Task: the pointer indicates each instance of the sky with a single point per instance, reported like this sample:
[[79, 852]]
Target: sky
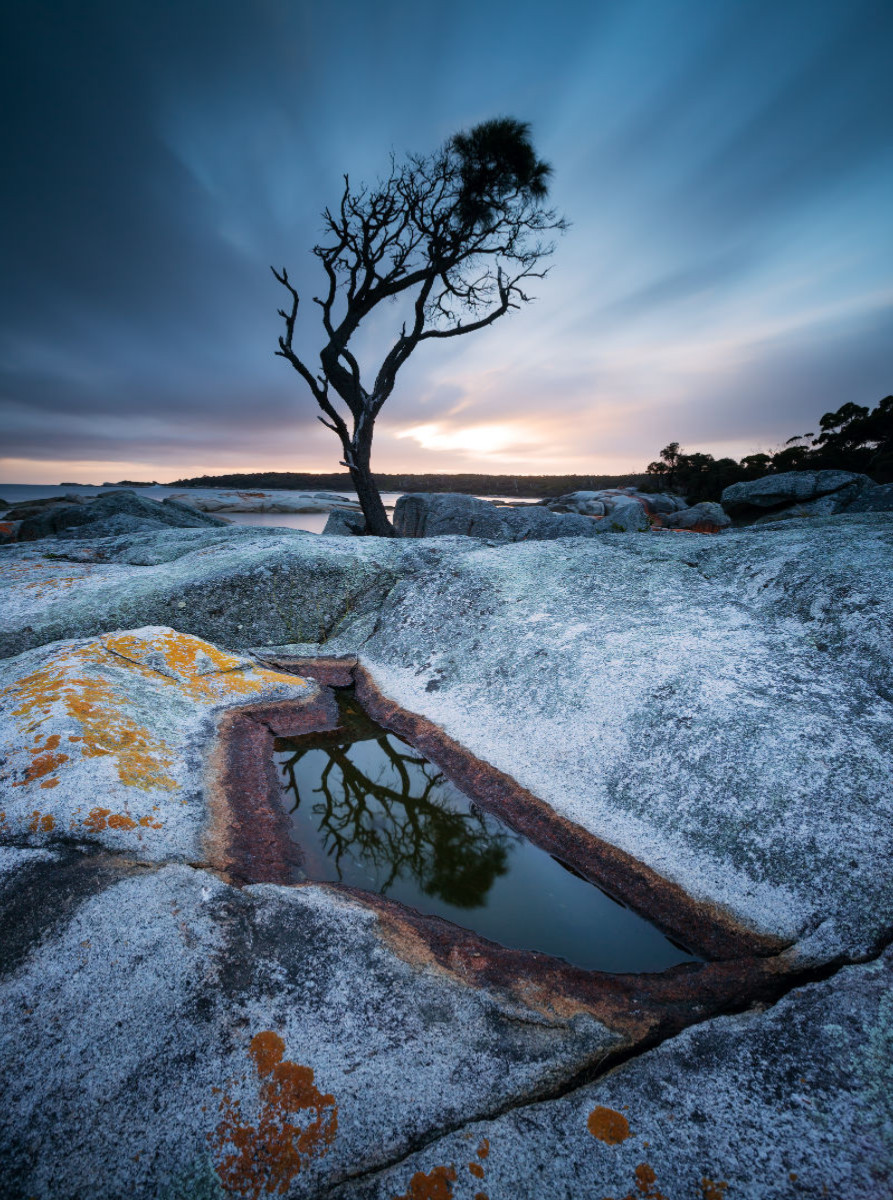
[[726, 167]]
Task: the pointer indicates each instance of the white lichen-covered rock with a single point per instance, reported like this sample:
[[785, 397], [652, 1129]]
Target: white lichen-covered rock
[[219, 500], [163, 1034], [775, 1105], [237, 585], [718, 708], [105, 740]]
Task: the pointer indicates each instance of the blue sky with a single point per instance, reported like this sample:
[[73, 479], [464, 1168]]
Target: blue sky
[[727, 169]]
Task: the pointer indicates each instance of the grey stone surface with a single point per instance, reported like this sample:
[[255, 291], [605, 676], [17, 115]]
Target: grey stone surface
[[138, 1008], [343, 522], [876, 499], [791, 487], [110, 513], [429, 515], [793, 1102], [704, 514], [236, 586], [720, 708], [106, 740]]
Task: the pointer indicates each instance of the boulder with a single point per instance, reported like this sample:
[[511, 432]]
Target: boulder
[[705, 517], [426, 515], [606, 500], [235, 585], [344, 522], [792, 487], [876, 499], [109, 513]]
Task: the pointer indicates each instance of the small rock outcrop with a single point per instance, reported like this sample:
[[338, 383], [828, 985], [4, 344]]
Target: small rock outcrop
[[345, 522], [217, 500], [596, 504], [706, 517], [423, 515], [109, 514], [795, 487]]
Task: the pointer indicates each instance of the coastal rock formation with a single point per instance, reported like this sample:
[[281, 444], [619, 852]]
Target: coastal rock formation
[[795, 487], [598, 503], [218, 500], [717, 710], [705, 517], [105, 515], [429, 515]]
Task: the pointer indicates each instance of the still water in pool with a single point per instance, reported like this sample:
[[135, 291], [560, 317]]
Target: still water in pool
[[369, 810]]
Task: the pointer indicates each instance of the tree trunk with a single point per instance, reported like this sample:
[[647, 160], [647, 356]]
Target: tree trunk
[[367, 492]]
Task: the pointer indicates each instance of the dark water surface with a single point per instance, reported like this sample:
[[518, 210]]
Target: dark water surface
[[369, 810]]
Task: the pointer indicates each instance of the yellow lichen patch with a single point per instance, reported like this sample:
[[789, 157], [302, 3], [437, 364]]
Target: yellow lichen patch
[[45, 758], [199, 668], [74, 681], [608, 1125], [433, 1186], [266, 1156]]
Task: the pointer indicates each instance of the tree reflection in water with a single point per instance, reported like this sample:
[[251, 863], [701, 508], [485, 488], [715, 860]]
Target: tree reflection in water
[[392, 809]]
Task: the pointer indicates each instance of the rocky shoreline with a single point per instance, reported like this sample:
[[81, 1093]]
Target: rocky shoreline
[[714, 711]]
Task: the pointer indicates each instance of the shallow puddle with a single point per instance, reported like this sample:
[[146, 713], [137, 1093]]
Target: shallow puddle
[[369, 810]]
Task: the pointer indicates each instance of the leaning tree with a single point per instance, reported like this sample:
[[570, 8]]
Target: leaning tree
[[455, 236]]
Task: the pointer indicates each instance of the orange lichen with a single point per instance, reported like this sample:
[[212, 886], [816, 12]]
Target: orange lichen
[[645, 1185], [266, 1157], [476, 1169], [608, 1125], [42, 823], [483, 1149], [433, 1186], [713, 1189]]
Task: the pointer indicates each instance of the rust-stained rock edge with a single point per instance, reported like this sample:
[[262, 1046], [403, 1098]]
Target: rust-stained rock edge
[[250, 843]]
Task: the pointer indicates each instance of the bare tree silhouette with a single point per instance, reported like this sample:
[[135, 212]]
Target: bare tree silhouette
[[395, 821]]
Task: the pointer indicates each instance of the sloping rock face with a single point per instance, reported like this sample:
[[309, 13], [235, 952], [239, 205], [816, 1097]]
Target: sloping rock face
[[100, 739], [237, 586], [768, 1104], [165, 1034]]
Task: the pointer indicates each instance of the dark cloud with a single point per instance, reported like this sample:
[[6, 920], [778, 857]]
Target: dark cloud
[[158, 156]]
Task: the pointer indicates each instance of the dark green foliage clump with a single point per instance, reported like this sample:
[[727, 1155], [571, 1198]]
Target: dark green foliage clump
[[851, 439]]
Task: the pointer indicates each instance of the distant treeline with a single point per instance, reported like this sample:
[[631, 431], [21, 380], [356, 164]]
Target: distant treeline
[[526, 486], [853, 438]]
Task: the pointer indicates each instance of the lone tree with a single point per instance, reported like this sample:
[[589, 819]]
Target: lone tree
[[455, 236]]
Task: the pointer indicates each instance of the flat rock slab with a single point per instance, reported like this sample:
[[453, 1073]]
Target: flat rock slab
[[164, 1034], [106, 740], [792, 1102]]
